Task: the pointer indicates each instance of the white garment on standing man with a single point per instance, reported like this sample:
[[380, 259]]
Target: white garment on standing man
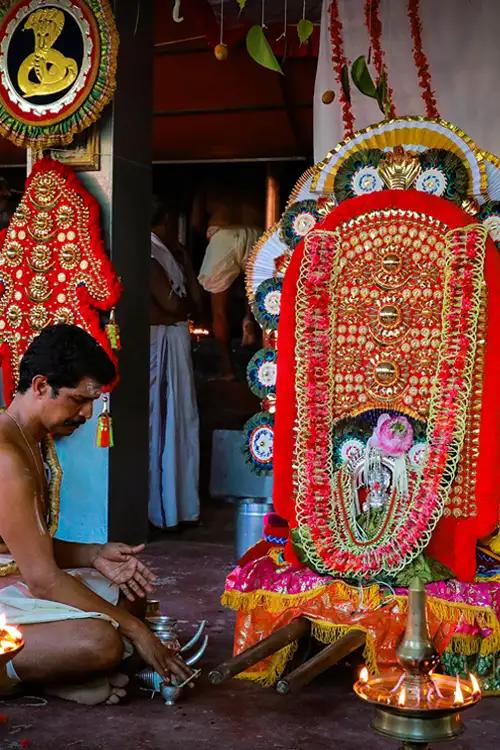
[[173, 413]]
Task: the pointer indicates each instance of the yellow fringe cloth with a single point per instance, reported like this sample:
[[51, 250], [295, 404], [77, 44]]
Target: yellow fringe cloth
[[328, 632], [273, 601], [279, 660]]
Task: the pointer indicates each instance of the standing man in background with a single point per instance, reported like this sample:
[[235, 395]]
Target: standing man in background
[[173, 411], [233, 229]]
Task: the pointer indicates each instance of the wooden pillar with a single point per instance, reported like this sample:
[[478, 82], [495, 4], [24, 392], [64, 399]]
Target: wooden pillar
[[272, 197], [130, 250]]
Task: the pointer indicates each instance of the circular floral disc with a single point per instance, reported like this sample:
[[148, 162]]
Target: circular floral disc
[[259, 442], [267, 302], [432, 181], [298, 220], [261, 373]]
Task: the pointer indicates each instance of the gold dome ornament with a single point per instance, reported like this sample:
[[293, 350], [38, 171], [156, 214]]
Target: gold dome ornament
[[221, 52], [328, 96]]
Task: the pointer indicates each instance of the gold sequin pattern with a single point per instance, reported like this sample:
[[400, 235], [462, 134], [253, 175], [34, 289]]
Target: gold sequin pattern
[[388, 322]]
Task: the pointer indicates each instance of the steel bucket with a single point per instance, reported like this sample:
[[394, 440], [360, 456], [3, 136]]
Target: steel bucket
[[250, 512]]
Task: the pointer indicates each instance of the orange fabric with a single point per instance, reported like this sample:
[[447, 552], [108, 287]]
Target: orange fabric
[[454, 541], [384, 627]]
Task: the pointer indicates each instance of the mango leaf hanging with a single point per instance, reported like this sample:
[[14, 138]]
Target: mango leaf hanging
[[304, 29], [241, 3], [362, 79], [260, 50]]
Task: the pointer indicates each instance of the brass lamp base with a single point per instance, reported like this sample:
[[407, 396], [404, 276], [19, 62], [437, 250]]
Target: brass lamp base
[[417, 729]]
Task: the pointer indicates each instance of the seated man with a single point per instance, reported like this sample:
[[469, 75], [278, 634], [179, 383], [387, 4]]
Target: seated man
[[76, 632]]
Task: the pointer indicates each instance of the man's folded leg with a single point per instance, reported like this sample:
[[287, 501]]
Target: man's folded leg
[[73, 659]]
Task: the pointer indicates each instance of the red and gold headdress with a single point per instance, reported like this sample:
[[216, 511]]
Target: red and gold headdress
[[53, 265]]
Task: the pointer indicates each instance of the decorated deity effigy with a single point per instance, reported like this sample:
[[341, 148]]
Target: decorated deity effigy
[[380, 418]]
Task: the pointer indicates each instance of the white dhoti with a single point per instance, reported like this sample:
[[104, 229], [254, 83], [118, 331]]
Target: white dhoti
[[173, 425], [20, 607], [226, 256]]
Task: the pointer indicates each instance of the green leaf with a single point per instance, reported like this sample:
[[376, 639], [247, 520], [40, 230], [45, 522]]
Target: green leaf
[[241, 3], [346, 85], [362, 78], [304, 29], [260, 50]]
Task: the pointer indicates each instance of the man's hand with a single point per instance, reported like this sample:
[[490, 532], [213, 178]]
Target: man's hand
[[164, 660], [119, 564]]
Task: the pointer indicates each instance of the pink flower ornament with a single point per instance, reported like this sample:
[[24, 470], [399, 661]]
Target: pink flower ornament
[[392, 435]]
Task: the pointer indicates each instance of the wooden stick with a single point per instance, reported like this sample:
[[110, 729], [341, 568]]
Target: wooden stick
[[321, 661], [277, 640]]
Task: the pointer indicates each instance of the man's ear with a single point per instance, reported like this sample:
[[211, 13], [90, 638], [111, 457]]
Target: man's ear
[[40, 386]]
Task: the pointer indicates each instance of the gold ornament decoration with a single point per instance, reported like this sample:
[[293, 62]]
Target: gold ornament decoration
[[39, 289], [40, 260], [41, 226], [221, 52], [38, 317], [64, 315], [328, 96], [65, 217], [46, 71], [399, 170], [14, 315], [69, 256], [13, 253]]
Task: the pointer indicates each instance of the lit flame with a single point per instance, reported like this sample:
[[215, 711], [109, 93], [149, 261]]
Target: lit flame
[[402, 696], [10, 637], [458, 697], [476, 690], [199, 332], [363, 675]]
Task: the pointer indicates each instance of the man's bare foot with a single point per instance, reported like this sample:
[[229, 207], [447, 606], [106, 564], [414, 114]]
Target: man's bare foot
[[107, 690], [119, 680]]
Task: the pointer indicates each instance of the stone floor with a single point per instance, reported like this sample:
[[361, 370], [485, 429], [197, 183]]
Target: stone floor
[[234, 716]]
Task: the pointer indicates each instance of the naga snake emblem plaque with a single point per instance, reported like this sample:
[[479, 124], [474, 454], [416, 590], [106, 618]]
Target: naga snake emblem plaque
[[58, 68]]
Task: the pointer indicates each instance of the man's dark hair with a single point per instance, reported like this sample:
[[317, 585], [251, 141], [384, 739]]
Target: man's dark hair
[[163, 206], [65, 354], [159, 210]]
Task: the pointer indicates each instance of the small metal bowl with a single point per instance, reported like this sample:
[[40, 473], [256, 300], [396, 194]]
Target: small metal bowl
[[152, 608]]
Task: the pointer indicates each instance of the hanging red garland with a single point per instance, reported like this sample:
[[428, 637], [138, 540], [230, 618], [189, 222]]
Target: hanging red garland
[[424, 76], [374, 26], [339, 65]]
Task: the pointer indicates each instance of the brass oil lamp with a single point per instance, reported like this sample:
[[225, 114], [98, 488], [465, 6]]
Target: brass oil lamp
[[414, 704]]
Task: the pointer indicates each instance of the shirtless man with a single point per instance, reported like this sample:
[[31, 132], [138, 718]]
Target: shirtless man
[[73, 648]]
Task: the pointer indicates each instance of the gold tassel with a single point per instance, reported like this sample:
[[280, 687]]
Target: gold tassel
[[113, 332]]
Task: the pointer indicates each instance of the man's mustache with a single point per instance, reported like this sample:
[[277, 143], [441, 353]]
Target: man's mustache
[[74, 422]]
